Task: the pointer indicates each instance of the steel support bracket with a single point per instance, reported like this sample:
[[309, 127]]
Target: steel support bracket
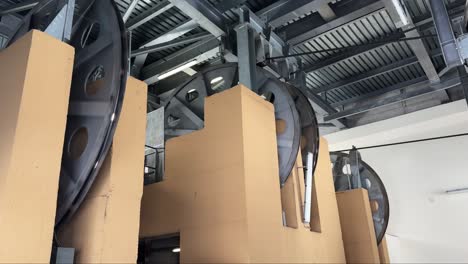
[[246, 55]]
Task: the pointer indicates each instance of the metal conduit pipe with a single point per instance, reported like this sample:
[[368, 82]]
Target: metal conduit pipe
[[445, 34]]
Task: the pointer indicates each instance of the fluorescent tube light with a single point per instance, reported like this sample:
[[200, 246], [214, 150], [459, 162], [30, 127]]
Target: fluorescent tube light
[[177, 70], [401, 12]]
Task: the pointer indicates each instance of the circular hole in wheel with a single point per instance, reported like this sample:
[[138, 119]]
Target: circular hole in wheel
[[374, 206], [280, 126], [346, 169], [95, 80], [90, 34], [191, 96], [78, 143], [268, 96], [217, 83], [172, 121], [368, 183]]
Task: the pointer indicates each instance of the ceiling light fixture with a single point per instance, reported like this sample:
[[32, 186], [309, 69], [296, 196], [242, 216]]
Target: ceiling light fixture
[[178, 69], [401, 10]]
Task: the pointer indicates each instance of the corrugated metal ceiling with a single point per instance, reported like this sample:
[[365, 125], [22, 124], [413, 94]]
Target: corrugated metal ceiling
[[363, 30]]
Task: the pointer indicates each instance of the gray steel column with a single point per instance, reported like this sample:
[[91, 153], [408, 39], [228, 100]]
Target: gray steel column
[[464, 80], [246, 55], [445, 33]]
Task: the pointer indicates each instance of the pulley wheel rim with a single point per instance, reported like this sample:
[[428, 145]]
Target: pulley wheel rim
[[96, 96], [372, 183], [184, 110], [310, 139]]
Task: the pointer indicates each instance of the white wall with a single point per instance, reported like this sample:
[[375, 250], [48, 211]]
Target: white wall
[[426, 225]]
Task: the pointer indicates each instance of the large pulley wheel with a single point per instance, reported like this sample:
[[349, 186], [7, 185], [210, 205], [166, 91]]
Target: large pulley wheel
[[184, 111], [309, 126], [343, 166], [98, 84]]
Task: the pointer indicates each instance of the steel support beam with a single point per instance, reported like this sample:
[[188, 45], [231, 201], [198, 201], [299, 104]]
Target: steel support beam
[[226, 5], [283, 11], [129, 10], [445, 33], [428, 87], [200, 50], [246, 55], [423, 56], [464, 80], [170, 44], [168, 36], [402, 20], [148, 15], [202, 12], [299, 32], [23, 6]]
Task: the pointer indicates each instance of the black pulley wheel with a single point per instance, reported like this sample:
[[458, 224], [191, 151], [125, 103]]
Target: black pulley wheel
[[98, 85], [310, 137], [184, 110], [343, 166]]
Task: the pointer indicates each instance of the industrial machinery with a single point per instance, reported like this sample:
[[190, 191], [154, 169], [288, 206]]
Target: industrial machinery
[[350, 172], [96, 31], [295, 118]]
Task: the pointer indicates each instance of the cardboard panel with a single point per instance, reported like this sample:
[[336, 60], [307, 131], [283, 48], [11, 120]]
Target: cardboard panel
[[35, 74], [105, 227], [357, 227], [222, 191], [383, 251]]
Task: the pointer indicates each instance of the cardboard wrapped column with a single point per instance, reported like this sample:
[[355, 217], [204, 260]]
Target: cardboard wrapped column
[[105, 227], [222, 194], [357, 226], [35, 78]]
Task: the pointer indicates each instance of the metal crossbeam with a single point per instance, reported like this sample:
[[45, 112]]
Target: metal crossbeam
[[405, 22], [168, 36], [202, 12], [283, 11], [427, 87], [170, 44], [25, 5], [129, 10], [151, 13], [200, 50], [226, 5], [301, 31]]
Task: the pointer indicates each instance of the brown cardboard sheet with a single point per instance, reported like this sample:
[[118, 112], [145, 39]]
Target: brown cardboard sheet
[[105, 227], [222, 193], [35, 77]]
